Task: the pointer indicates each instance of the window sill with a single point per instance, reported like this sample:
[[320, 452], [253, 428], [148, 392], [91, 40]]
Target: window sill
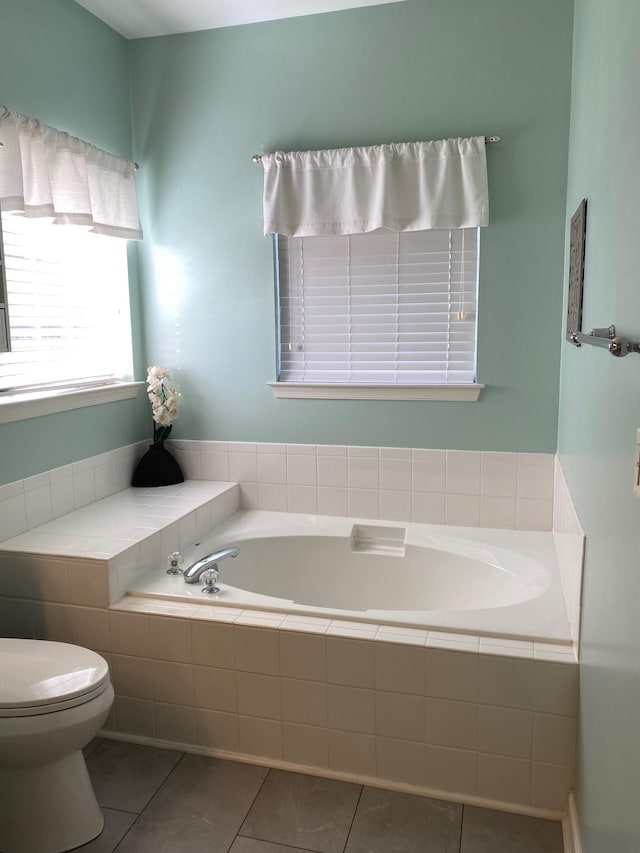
[[31, 404], [317, 391]]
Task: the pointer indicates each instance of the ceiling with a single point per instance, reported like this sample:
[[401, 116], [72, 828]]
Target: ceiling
[[143, 18]]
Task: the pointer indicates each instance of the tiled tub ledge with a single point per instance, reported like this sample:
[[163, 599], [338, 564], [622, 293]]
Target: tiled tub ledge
[[469, 718]]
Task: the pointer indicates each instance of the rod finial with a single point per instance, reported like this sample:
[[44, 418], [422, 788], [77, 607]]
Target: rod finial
[[257, 158]]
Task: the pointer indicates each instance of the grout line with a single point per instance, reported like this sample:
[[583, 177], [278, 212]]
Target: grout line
[[355, 812]]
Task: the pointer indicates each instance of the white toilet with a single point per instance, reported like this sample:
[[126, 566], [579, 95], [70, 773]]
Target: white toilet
[[54, 698]]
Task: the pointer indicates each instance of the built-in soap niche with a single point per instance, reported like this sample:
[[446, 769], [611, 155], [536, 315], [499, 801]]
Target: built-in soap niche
[[378, 539]]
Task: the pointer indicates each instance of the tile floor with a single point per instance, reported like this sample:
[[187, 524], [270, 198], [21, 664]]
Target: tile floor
[[162, 801]]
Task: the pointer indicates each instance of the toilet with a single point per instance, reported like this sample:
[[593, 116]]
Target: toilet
[[54, 698]]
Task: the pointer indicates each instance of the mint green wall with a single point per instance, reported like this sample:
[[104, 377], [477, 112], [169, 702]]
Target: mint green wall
[[599, 414], [203, 103], [62, 65]]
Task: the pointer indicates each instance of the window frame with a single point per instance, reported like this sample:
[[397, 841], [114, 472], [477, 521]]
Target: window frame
[[28, 401]]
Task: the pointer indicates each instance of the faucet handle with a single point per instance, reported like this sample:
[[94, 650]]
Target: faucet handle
[[211, 579], [174, 563]]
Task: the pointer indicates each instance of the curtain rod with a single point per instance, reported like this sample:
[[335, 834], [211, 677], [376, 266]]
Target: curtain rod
[[257, 158], [135, 165]]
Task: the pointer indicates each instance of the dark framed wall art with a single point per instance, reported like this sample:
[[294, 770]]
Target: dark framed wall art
[[576, 269]]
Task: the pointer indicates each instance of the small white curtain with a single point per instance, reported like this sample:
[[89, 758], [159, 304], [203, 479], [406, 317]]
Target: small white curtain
[[410, 186], [45, 172]]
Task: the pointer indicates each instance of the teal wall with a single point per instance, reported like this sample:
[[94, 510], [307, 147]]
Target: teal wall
[[63, 66], [203, 103], [599, 414]]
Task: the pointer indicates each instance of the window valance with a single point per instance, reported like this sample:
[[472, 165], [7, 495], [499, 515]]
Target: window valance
[[45, 172], [401, 186]]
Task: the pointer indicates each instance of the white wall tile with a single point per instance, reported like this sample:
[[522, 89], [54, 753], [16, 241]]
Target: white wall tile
[[173, 682], [169, 639], [498, 512], [399, 715], [463, 472], [87, 583], [428, 508], [213, 644], [400, 760], [453, 770], [363, 472], [243, 467], [217, 730], [304, 701], [452, 724], [452, 675], [350, 662], [272, 497], [506, 682], [499, 476], [534, 514], [129, 634], [332, 501], [463, 510], [535, 475], [556, 688], [400, 669], [215, 689], [395, 506], [351, 752], [135, 716], [306, 745], [215, 465], [260, 737], [395, 474], [90, 628], [132, 676], [301, 469], [13, 516], [256, 650], [504, 779], [351, 709], [303, 656], [52, 622], [332, 471], [550, 786], [554, 739], [302, 499], [38, 505], [505, 731], [363, 503], [272, 468], [175, 723], [429, 471], [258, 695]]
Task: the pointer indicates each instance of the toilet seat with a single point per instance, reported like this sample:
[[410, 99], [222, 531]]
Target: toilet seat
[[42, 677]]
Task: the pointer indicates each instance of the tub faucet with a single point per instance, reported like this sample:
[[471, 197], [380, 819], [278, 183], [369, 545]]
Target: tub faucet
[[193, 573]]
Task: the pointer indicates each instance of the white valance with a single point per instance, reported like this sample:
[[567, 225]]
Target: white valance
[[409, 186], [45, 172]]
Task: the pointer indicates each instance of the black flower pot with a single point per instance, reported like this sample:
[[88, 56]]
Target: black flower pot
[[157, 468]]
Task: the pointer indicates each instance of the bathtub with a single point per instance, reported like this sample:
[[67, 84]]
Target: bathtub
[[499, 583]]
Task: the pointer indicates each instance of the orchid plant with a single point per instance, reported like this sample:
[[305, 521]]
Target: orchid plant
[[165, 402]]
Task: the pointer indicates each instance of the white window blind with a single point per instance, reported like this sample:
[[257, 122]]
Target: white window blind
[[382, 308], [68, 308]]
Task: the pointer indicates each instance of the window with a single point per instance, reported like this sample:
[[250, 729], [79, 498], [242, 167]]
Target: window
[[378, 309], [66, 305]]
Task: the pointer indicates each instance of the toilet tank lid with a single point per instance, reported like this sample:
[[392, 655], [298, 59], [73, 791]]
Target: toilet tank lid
[[39, 672]]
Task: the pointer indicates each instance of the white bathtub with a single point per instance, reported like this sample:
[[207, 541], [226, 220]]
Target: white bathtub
[[470, 580]]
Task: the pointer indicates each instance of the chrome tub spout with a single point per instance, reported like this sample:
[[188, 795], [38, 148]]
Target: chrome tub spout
[[193, 573]]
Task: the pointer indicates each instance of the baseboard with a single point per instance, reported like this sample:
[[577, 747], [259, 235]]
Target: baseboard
[[327, 773], [571, 828]]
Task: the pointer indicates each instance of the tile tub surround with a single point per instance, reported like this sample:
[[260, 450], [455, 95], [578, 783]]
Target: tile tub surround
[[469, 488], [91, 555], [461, 717], [469, 718]]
